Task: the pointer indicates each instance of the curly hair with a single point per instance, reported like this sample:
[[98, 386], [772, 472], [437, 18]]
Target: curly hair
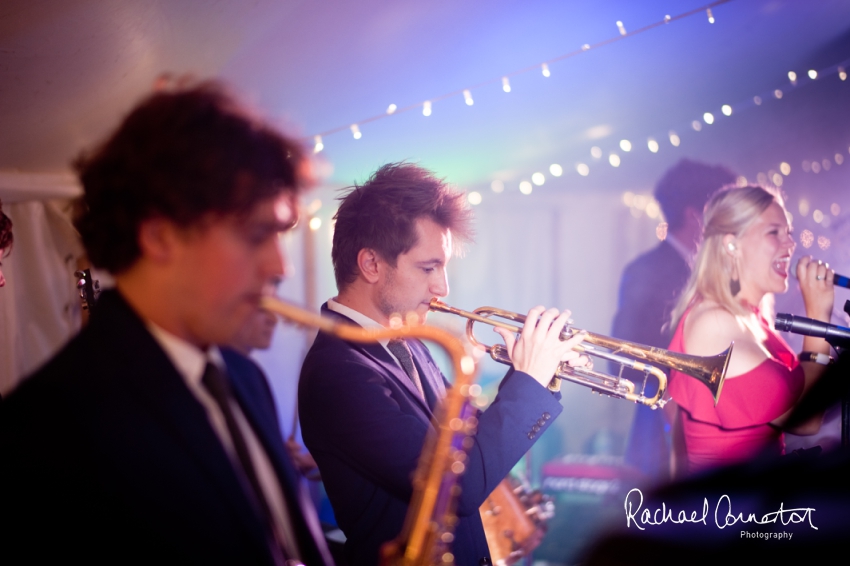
[[381, 215], [181, 155]]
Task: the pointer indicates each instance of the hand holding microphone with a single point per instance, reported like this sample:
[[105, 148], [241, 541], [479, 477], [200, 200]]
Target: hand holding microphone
[[837, 280], [816, 283]]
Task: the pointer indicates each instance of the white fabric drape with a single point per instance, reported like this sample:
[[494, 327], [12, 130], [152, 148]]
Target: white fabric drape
[[39, 306]]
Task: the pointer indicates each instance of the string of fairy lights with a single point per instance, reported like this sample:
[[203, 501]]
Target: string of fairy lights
[[505, 80], [645, 204], [639, 204], [823, 215], [674, 136]]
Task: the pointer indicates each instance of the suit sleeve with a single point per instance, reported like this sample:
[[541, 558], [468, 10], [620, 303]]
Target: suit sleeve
[[376, 436], [347, 409], [521, 412]]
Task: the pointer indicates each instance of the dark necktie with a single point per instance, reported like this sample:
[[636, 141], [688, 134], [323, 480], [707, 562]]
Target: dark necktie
[[401, 350], [217, 385]]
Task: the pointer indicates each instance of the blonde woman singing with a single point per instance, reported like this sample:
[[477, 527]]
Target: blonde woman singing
[[745, 255]]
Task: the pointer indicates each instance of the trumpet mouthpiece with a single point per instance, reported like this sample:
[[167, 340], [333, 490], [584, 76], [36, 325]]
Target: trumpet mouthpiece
[[438, 305]]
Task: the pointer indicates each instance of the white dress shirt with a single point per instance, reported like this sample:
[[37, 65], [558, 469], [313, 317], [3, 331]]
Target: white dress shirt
[[190, 363]]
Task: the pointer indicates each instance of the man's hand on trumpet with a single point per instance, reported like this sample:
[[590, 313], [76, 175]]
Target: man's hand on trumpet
[[539, 350]]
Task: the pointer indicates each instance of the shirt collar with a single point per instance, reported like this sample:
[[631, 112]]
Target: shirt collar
[[359, 318], [189, 360]]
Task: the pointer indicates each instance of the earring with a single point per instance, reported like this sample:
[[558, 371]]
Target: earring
[[731, 246], [734, 283]]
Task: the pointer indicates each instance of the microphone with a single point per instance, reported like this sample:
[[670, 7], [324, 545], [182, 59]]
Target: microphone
[[837, 336]]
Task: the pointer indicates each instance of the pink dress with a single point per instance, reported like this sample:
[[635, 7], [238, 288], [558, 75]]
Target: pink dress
[[738, 427]]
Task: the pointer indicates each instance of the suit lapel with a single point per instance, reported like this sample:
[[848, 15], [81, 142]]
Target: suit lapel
[[153, 381], [432, 377], [382, 358], [432, 372]]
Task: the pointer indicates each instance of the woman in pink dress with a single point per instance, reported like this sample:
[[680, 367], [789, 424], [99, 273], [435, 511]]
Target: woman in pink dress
[[745, 256]]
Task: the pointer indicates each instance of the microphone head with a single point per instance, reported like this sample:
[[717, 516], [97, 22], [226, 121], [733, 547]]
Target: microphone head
[[783, 321]]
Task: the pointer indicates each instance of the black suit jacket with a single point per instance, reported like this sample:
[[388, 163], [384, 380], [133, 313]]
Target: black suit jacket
[[650, 286], [365, 424], [109, 458]]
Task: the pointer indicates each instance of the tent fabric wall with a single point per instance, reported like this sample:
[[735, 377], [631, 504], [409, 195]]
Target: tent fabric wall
[[39, 306]]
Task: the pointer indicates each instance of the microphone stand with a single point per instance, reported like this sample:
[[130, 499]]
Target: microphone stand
[[838, 338]]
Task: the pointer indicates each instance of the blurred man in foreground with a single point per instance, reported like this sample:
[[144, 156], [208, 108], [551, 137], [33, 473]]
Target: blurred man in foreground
[[137, 443]]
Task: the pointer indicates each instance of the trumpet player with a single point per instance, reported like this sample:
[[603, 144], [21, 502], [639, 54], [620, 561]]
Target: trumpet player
[[366, 409]]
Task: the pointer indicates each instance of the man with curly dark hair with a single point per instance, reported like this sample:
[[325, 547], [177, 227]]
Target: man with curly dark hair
[[141, 441]]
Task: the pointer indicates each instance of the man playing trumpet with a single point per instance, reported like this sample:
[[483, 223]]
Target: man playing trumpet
[[366, 409]]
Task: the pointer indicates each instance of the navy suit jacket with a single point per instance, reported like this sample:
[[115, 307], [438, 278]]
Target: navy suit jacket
[[109, 458], [365, 424], [650, 286]]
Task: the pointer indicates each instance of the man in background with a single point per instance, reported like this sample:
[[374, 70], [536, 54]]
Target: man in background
[[257, 334], [649, 288], [137, 443]]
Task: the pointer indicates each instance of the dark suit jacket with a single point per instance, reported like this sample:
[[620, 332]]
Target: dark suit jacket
[[365, 424], [109, 458], [649, 289]]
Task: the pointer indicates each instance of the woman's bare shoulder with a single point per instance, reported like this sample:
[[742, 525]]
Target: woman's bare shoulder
[[710, 329]]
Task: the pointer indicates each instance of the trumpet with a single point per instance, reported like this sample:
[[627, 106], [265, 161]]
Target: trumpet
[[710, 370]]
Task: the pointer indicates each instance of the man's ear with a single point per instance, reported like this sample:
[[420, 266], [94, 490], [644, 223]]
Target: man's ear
[[157, 237], [368, 262]]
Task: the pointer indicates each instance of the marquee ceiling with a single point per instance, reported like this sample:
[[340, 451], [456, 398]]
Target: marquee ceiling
[[69, 69]]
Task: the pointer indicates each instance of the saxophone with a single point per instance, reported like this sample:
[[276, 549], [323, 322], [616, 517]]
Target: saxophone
[[427, 536]]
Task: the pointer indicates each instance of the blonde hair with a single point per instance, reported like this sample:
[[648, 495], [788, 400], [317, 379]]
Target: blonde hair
[[730, 210]]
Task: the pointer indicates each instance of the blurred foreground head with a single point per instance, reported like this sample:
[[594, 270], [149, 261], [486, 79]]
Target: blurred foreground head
[[184, 202], [184, 154]]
